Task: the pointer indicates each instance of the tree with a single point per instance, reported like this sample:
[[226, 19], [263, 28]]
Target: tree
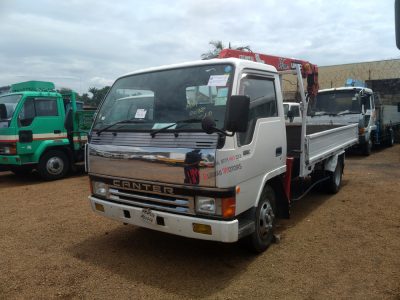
[[97, 96], [218, 46]]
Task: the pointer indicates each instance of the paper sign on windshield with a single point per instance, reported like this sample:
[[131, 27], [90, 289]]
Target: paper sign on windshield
[[140, 113], [218, 80]]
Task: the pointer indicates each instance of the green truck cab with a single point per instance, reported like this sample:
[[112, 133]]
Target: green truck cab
[[42, 129]]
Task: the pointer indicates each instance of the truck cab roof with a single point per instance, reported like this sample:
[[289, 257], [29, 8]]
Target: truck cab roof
[[235, 61]]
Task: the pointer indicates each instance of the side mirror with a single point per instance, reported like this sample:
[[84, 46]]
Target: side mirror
[[69, 121], [397, 21], [3, 111], [290, 115], [237, 113], [208, 124]]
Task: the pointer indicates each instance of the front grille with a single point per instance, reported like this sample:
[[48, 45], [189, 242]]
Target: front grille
[[169, 203], [191, 140]]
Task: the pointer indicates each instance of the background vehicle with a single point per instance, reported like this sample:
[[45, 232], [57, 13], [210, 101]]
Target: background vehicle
[[345, 105], [294, 107], [241, 165], [41, 129]]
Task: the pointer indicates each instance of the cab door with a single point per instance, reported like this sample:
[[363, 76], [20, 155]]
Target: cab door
[[40, 120], [265, 138]]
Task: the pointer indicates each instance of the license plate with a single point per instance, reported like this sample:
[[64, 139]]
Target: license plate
[[147, 216]]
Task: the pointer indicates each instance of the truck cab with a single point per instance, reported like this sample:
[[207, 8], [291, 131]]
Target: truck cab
[[347, 105], [39, 129]]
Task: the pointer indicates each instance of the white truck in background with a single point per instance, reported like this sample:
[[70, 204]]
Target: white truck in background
[[294, 108], [240, 164], [377, 123]]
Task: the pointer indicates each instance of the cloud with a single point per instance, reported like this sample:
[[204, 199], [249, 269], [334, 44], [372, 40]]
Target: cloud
[[79, 44]]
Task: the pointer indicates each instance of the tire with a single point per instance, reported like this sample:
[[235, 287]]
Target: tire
[[265, 216], [390, 141], [332, 185], [53, 165], [367, 148]]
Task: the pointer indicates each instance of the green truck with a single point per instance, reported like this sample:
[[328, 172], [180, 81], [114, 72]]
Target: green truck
[[42, 129]]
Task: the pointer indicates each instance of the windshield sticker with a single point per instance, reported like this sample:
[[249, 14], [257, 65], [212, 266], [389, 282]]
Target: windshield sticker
[[140, 113], [222, 96], [218, 80], [162, 125]]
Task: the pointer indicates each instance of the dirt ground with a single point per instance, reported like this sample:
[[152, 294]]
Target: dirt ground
[[342, 246]]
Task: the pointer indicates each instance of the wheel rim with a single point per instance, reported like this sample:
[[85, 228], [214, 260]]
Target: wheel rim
[[55, 165], [266, 219], [337, 175]]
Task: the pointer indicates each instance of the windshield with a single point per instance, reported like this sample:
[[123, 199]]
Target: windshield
[[158, 99], [7, 107], [338, 102], [9, 103]]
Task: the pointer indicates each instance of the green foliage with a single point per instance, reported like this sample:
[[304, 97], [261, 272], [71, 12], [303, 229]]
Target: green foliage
[[217, 46], [213, 53], [97, 96]]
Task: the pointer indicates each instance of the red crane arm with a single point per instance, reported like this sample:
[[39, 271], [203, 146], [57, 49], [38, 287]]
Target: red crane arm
[[308, 70]]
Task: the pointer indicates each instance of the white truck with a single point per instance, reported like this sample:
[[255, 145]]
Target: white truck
[[377, 123], [240, 160]]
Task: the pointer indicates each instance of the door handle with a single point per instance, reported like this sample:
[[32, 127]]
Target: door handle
[[57, 131], [278, 151]]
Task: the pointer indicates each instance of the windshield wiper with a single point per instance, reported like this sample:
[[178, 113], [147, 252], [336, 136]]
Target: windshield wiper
[[120, 122], [154, 132]]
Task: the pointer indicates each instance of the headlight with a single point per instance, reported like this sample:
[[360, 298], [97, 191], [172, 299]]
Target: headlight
[[205, 205], [9, 149], [99, 188], [224, 207]]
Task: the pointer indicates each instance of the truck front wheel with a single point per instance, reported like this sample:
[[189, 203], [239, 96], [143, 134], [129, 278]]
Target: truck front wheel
[[53, 165], [367, 147], [265, 216]]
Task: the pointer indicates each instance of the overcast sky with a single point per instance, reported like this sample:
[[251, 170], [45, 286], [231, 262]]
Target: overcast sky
[[84, 43]]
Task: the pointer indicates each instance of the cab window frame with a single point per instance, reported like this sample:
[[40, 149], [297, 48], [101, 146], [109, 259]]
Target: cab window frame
[[247, 137]]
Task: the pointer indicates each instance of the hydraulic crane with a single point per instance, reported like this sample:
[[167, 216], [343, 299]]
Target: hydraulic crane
[[308, 71]]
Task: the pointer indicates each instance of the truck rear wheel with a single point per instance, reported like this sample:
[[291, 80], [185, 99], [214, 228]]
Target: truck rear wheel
[[53, 165], [367, 148], [332, 185], [390, 141], [265, 216]]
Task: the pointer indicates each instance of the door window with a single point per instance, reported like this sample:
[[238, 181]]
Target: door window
[[263, 103], [37, 107]]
